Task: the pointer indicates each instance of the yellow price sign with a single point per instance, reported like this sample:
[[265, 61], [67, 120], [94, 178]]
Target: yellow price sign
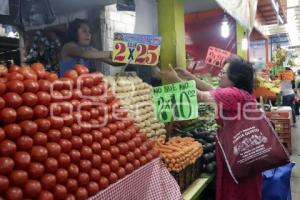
[[136, 49]]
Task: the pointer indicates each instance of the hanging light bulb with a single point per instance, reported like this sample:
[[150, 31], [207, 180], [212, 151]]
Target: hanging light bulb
[[225, 28], [245, 42]]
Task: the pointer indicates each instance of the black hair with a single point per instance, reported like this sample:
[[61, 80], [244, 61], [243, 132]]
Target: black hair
[[241, 74], [73, 29]]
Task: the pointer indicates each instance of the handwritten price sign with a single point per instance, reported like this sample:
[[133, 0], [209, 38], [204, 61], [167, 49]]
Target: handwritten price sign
[[136, 49], [176, 102], [216, 56]]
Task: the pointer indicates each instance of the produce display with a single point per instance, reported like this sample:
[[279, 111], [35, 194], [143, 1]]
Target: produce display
[[57, 142], [273, 86], [178, 152], [136, 97]]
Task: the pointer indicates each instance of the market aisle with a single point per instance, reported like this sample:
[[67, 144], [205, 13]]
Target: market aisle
[[296, 158]]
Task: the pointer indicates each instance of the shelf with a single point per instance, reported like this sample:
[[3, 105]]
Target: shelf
[[197, 187]]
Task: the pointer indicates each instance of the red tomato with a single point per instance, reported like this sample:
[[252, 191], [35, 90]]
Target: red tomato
[[6, 165], [83, 179], [75, 103], [113, 177], [54, 135], [143, 149], [113, 140], [143, 136], [94, 113], [86, 127], [113, 128], [14, 68], [87, 139], [72, 74], [106, 156], [81, 193], [51, 165], [96, 147], [44, 85], [67, 119], [24, 143], [97, 135], [136, 164], [66, 132], [31, 86], [75, 155], [13, 131], [76, 142], [130, 157], [45, 195], [39, 153], [60, 192], [18, 177], [32, 188], [85, 166], [22, 159], [28, 73], [143, 160], [123, 147], [48, 181], [40, 139], [96, 91], [121, 173], [73, 170], [7, 148], [105, 143], [39, 69], [96, 161], [61, 175], [15, 86], [93, 188], [54, 149], [2, 103], [86, 91], [105, 169], [2, 134], [129, 168], [76, 94], [14, 193], [114, 165], [15, 76], [43, 98], [76, 129], [51, 77], [106, 132], [103, 183], [28, 127], [95, 174], [13, 99], [43, 124], [127, 136], [56, 122], [24, 113], [122, 160], [72, 185], [66, 145], [36, 170], [131, 145], [40, 111], [138, 141], [97, 77], [80, 69], [86, 152], [2, 88], [64, 160], [29, 99], [120, 136]]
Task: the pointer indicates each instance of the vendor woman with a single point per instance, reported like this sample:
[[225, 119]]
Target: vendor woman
[[79, 49]]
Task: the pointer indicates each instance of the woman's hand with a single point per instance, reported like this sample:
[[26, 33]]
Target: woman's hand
[[171, 75], [184, 74]]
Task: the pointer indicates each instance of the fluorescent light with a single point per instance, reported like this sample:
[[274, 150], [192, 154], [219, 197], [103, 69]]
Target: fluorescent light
[[225, 30], [244, 43]]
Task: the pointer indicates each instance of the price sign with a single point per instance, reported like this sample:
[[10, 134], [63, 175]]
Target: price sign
[[176, 102], [216, 56], [136, 49]]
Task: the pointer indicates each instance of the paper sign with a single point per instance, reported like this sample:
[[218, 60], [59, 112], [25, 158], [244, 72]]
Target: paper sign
[[216, 56], [136, 49], [176, 102]]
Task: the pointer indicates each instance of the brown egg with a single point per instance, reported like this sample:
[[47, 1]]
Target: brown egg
[[14, 193], [22, 159], [48, 181], [36, 170], [39, 153], [32, 188]]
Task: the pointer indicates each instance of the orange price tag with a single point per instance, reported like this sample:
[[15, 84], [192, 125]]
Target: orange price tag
[[136, 49]]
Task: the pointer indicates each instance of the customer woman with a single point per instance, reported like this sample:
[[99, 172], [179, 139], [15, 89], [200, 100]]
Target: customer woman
[[236, 84], [79, 49]]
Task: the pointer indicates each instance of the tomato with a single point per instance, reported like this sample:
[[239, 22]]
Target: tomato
[[86, 115], [96, 161], [22, 159], [143, 136], [48, 181], [123, 147], [86, 127], [51, 77], [93, 188], [45, 195], [76, 142], [83, 179], [136, 164], [13, 131], [122, 160], [28, 73], [56, 122], [44, 85], [103, 183], [54, 149], [2, 103], [2, 88], [96, 91], [61, 175], [7, 148], [13, 99], [113, 128], [40, 111], [14, 68], [24, 143], [39, 69], [51, 165], [76, 129], [86, 152], [67, 84], [106, 156], [113, 139], [114, 165], [127, 136], [130, 157], [8, 115], [36, 170], [66, 94], [94, 113], [60, 192], [96, 147], [105, 131], [73, 170], [143, 149], [80, 69], [15, 86], [28, 127], [95, 174], [85, 166], [72, 185], [105, 169], [75, 104], [128, 122], [43, 98], [105, 143], [143, 160], [40, 139], [86, 104], [29, 99], [113, 177], [72, 74], [64, 160], [6, 165], [66, 132], [138, 141], [67, 119], [43, 124], [39, 153], [81, 193], [86, 91], [65, 145], [54, 135], [17, 178], [120, 136], [32, 188], [75, 155], [154, 152], [88, 81], [129, 168], [131, 145], [14, 193], [24, 113], [76, 94], [31, 86], [15, 76], [121, 172]]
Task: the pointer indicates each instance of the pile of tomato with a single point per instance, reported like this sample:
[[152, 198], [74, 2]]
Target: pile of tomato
[[64, 138]]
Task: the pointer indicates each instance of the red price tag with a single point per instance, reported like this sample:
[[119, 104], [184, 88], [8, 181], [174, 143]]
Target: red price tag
[[216, 57]]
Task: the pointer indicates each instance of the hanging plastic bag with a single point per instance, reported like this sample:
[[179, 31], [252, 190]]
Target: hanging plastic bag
[[276, 183], [35, 13]]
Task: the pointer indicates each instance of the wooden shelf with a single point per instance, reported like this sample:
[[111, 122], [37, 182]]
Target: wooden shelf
[[197, 187]]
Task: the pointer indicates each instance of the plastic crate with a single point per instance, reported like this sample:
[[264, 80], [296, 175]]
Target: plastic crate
[[278, 115]]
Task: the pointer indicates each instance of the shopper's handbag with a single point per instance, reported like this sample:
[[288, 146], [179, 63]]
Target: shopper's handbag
[[250, 145], [277, 183]]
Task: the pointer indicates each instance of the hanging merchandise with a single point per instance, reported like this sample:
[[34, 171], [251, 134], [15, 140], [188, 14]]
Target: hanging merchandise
[[35, 13]]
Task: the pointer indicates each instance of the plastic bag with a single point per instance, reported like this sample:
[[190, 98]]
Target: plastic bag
[[276, 183]]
